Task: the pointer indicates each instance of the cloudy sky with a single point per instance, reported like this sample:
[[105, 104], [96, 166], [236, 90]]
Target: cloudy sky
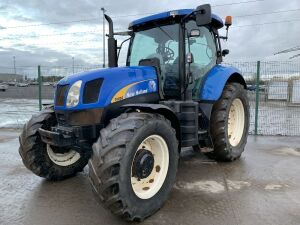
[[51, 32]]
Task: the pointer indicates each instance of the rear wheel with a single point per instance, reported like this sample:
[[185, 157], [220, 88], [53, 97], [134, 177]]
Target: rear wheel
[[134, 164], [230, 123], [47, 161]]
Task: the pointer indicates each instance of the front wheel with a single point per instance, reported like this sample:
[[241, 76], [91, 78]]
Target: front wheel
[[134, 164], [229, 123], [47, 161]]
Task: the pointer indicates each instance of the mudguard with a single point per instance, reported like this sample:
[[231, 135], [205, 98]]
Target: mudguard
[[161, 109], [215, 80]]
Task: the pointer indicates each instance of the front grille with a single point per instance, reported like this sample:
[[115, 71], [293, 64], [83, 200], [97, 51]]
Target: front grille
[[79, 117], [60, 94], [91, 91], [61, 119]]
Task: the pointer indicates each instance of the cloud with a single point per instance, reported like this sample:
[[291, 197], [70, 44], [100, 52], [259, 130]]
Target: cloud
[[41, 45]]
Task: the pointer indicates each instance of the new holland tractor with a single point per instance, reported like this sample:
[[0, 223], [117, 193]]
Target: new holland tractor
[[130, 123]]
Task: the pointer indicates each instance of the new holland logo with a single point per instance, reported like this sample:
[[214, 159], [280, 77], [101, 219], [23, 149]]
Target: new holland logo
[[138, 88]]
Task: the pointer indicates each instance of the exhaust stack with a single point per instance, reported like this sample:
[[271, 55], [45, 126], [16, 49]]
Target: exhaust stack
[[112, 44]]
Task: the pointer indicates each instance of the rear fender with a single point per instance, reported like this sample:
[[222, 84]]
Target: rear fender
[[215, 81]]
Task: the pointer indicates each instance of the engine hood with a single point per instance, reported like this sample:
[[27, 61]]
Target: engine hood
[[116, 81]]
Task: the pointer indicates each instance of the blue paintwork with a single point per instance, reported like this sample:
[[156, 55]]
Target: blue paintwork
[[114, 80], [164, 15], [214, 82]]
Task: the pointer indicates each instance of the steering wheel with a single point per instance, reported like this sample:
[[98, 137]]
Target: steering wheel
[[166, 52]]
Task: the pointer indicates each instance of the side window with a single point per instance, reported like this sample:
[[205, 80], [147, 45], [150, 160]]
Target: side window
[[203, 49], [144, 46]]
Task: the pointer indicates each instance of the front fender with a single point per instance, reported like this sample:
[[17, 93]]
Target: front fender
[[215, 80], [160, 109]]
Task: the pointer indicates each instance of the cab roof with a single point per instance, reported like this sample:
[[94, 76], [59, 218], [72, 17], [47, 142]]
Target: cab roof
[[216, 20]]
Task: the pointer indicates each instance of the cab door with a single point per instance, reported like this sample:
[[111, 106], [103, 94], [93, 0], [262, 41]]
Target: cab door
[[204, 51]]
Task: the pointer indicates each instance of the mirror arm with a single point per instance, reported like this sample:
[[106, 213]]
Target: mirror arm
[[187, 16]]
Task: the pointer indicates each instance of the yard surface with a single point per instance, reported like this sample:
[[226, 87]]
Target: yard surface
[[263, 187]]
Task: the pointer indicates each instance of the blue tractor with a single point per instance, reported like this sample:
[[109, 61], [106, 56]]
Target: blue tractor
[[130, 123]]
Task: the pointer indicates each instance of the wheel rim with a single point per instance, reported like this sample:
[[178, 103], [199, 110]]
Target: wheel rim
[[63, 159], [236, 122], [147, 187]]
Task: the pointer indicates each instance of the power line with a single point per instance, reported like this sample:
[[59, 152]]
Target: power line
[[54, 23], [288, 50], [267, 13], [267, 23], [118, 16], [295, 56], [96, 31], [48, 35], [238, 3]]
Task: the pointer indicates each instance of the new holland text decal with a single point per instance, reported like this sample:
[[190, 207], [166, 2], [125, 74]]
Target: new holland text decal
[[138, 88]]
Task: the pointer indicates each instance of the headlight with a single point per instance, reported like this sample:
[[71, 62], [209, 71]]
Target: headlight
[[74, 94]]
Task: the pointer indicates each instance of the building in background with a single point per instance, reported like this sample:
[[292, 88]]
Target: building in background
[[7, 77]]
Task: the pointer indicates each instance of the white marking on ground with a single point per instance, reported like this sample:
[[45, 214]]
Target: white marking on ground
[[206, 186], [275, 186], [287, 151], [235, 184], [211, 186]]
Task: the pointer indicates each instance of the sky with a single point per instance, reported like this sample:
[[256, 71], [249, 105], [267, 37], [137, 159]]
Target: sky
[[58, 33]]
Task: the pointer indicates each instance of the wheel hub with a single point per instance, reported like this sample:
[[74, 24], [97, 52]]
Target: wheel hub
[[143, 164]]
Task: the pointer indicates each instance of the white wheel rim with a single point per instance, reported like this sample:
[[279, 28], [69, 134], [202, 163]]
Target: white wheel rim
[[146, 188], [236, 122], [63, 159]]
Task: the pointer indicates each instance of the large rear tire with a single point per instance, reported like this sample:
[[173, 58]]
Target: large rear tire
[[229, 125], [134, 164], [44, 160]]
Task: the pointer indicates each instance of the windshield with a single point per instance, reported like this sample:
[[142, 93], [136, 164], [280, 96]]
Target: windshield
[[161, 43]]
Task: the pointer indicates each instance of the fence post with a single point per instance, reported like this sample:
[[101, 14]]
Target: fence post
[[257, 96], [40, 87]]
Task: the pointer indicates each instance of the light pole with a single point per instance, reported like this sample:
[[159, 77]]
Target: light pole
[[103, 10], [73, 64], [15, 70]]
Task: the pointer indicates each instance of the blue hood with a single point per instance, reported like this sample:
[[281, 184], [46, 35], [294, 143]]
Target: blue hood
[[114, 80]]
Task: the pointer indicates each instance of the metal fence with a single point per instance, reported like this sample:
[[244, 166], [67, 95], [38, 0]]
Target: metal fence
[[273, 90], [274, 94]]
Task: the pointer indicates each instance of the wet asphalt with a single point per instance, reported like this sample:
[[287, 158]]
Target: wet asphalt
[[263, 187]]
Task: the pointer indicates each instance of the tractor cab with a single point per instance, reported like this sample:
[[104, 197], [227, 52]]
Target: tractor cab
[[183, 45]]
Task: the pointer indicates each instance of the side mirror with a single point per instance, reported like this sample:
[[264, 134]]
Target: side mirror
[[225, 52], [194, 33], [203, 15]]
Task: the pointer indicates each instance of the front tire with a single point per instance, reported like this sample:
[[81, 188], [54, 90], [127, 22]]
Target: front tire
[[229, 125], [134, 164], [44, 160]]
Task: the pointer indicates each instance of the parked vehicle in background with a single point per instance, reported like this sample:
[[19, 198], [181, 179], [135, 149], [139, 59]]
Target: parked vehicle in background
[[11, 83], [22, 85], [47, 84], [34, 83], [252, 87], [3, 87]]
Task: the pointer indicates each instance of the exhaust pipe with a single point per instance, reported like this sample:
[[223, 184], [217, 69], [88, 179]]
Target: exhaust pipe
[[112, 44]]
